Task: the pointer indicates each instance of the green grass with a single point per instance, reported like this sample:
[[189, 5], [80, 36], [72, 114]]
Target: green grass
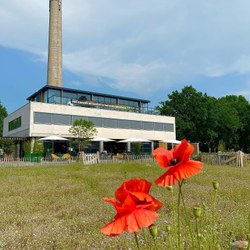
[[61, 207]]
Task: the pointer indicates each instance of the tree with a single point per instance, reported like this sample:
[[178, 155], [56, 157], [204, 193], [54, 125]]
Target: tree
[[209, 137], [189, 108], [27, 147], [3, 114], [7, 145], [209, 121], [83, 131], [38, 147], [233, 124]]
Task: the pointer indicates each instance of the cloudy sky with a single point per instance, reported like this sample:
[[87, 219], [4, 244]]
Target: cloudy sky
[[138, 48]]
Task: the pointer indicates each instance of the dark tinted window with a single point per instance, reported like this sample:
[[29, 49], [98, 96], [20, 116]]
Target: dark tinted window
[[62, 119], [109, 123], [43, 118]]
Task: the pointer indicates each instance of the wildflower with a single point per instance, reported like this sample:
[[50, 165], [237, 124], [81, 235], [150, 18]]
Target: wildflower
[[178, 163], [135, 208]]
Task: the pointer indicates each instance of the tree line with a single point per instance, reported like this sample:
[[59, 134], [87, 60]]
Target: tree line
[[216, 123]]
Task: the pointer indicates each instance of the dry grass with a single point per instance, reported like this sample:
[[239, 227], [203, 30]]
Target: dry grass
[[61, 207]]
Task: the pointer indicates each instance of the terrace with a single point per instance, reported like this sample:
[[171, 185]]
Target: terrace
[[72, 97]]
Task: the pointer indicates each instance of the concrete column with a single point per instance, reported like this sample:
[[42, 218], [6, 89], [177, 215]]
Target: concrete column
[[18, 150], [152, 147], [101, 146], [128, 146], [54, 71]]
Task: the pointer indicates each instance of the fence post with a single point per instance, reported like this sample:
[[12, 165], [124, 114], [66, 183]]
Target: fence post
[[82, 155], [97, 157], [239, 159]]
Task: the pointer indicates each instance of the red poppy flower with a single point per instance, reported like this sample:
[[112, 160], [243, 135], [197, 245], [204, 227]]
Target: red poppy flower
[[135, 208], [178, 162]]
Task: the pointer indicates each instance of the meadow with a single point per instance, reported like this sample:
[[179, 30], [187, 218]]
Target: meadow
[[61, 207]]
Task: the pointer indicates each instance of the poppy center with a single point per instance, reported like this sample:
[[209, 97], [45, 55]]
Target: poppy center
[[172, 162]]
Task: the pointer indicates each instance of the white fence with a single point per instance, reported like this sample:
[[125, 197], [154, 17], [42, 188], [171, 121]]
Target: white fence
[[7, 162], [90, 158], [87, 159]]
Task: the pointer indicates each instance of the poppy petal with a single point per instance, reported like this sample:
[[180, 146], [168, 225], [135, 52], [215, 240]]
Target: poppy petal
[[110, 200], [142, 196], [163, 156], [126, 207], [115, 227], [140, 218], [189, 169], [138, 185], [183, 151], [177, 173], [151, 202], [134, 185]]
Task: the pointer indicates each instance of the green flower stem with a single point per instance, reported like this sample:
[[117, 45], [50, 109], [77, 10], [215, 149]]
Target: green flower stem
[[173, 208], [248, 239], [155, 243], [198, 232], [186, 215], [136, 240], [249, 222], [213, 218], [178, 218], [170, 242], [248, 236], [229, 240], [144, 236]]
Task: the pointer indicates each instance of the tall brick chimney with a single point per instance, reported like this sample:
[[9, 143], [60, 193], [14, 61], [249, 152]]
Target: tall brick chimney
[[54, 71]]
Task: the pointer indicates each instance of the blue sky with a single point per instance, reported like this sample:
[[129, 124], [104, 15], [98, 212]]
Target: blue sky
[[142, 49]]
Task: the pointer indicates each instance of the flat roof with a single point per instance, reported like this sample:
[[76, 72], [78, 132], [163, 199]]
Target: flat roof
[[46, 87]]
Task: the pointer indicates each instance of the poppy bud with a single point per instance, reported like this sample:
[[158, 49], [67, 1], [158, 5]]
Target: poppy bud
[[215, 185], [197, 212], [170, 188], [153, 230], [168, 228]]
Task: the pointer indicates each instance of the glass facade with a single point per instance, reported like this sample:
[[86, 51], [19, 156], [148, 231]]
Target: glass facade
[[72, 97], [59, 119], [54, 96]]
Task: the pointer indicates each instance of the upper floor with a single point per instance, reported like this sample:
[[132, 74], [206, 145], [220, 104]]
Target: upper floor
[[72, 97]]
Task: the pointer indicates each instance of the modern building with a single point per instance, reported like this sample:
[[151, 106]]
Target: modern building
[[53, 109]]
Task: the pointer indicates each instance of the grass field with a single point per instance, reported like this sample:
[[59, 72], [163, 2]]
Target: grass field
[[61, 207]]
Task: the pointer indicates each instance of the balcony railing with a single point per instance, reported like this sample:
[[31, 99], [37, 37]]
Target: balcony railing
[[97, 105]]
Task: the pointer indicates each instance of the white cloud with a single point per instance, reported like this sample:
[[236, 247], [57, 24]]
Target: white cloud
[[143, 46]]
